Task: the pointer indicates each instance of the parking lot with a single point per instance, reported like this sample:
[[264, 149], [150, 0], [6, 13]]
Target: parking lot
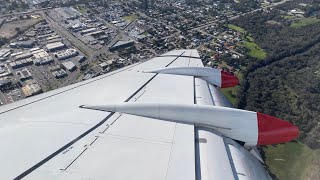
[[10, 93]]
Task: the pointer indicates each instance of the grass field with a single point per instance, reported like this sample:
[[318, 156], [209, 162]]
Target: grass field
[[254, 50], [145, 33], [232, 92], [236, 28], [304, 22], [293, 161], [82, 9], [130, 18], [289, 17]]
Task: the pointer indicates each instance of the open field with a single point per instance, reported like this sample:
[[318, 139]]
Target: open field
[[304, 22], [82, 9], [236, 28], [254, 50], [293, 161], [289, 17], [130, 18], [8, 30]]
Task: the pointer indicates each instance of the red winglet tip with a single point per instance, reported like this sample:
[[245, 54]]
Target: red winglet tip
[[272, 130], [228, 79]]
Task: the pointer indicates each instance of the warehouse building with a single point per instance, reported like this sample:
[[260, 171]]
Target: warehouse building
[[59, 73], [31, 88], [55, 46], [121, 44], [23, 56], [80, 59], [22, 44], [4, 70], [43, 61], [24, 74], [87, 31], [4, 53], [62, 55], [40, 53], [21, 63], [69, 65]]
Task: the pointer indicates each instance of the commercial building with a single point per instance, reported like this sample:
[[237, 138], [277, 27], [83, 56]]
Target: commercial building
[[34, 49], [55, 46], [86, 31], [4, 53], [16, 54], [22, 44], [69, 65], [95, 33], [24, 74], [53, 37], [36, 2], [121, 44], [103, 65], [68, 13], [4, 70], [59, 73], [4, 82], [62, 55], [40, 53], [54, 68], [21, 63], [80, 59], [40, 37], [31, 33], [31, 88], [43, 61], [23, 56]]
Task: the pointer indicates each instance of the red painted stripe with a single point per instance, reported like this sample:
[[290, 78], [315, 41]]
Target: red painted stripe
[[228, 79], [272, 130]]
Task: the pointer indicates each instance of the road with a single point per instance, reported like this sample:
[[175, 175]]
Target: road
[[268, 6], [24, 13], [72, 78], [73, 40]]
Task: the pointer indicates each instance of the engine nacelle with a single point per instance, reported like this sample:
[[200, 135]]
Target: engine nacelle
[[250, 127], [213, 76]]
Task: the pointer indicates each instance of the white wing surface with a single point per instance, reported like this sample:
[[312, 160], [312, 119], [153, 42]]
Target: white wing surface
[[49, 137]]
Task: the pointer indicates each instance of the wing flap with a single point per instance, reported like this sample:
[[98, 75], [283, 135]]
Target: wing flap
[[124, 146]]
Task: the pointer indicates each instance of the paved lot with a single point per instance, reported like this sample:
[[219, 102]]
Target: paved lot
[[11, 93]]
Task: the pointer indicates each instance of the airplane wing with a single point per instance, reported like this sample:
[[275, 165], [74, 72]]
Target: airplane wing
[[49, 137]]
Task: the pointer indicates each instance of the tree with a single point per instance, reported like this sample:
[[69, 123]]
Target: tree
[[3, 41], [18, 30]]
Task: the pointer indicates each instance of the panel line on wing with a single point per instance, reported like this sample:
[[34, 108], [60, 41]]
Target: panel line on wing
[[28, 171], [89, 82], [168, 166], [234, 171], [136, 138], [180, 56]]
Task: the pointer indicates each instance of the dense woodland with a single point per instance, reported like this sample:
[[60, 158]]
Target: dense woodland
[[287, 83], [289, 89]]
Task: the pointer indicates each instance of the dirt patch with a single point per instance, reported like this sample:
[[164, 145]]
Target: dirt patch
[[8, 30]]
